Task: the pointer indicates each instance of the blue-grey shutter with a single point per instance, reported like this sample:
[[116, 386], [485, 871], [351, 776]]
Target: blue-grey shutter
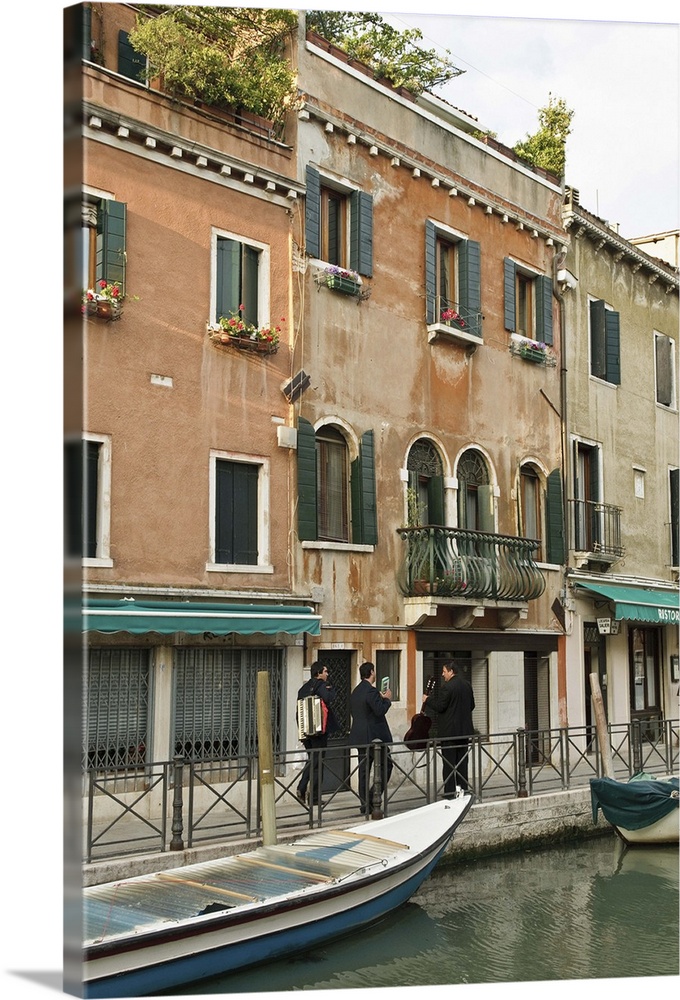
[[236, 513], [313, 213], [486, 520], [306, 466], [675, 502], [430, 273], [470, 284], [435, 501], [509, 300], [554, 516], [111, 235], [612, 347], [249, 281], [361, 233], [228, 277], [544, 314], [369, 511], [130, 62], [86, 23], [598, 354]]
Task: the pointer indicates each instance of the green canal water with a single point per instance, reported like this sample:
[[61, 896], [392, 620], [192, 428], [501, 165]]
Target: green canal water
[[586, 911]]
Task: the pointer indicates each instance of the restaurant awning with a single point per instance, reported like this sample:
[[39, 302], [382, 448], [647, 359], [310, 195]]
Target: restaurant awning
[[166, 617], [639, 604]]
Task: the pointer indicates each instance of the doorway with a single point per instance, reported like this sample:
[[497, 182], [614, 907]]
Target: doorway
[[645, 692], [336, 769]]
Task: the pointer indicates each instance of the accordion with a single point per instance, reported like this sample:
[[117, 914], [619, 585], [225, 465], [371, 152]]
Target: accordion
[[311, 716]]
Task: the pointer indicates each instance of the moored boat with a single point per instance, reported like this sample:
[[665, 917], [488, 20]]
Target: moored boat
[[643, 810], [158, 931]]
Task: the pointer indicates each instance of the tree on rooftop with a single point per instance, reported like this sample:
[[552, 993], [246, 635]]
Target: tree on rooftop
[[233, 56], [547, 147], [392, 54]]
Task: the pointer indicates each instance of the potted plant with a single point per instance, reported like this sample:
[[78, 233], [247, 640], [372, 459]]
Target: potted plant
[[341, 279], [532, 350], [105, 300], [234, 331], [453, 318]]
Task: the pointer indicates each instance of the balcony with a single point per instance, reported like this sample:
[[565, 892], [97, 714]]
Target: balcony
[[453, 321], [596, 530], [469, 567]]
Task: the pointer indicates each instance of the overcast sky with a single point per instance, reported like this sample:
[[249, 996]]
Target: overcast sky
[[621, 79]]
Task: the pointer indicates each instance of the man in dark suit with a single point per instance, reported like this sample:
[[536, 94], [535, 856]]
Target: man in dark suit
[[369, 707], [318, 684], [453, 704]]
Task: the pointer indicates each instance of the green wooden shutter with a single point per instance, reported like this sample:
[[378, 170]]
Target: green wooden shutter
[[130, 62], [509, 299], [554, 517], [544, 315], [86, 25], [236, 509], [110, 260], [485, 508], [91, 499], [430, 273], [228, 276], [313, 213], [598, 360], [470, 284], [612, 347], [435, 501], [361, 233], [368, 492], [249, 282], [675, 534], [306, 465]]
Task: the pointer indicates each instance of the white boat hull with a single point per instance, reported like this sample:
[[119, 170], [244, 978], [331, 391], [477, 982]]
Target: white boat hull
[[164, 951], [664, 831]]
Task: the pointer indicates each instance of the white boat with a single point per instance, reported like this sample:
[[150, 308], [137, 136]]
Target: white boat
[[643, 810], [161, 930]]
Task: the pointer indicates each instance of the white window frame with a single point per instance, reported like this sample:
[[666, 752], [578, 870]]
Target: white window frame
[[103, 559], [263, 273], [263, 564]]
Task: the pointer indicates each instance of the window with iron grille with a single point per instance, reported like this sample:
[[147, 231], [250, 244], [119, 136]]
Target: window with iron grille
[[215, 701], [387, 665], [116, 709]]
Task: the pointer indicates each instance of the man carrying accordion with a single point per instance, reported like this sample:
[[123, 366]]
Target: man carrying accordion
[[315, 720]]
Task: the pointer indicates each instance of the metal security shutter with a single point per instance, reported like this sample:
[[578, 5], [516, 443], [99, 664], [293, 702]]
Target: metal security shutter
[[215, 701], [116, 708], [479, 678]]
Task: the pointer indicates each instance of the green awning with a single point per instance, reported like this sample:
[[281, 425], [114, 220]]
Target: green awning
[[639, 604], [167, 617]]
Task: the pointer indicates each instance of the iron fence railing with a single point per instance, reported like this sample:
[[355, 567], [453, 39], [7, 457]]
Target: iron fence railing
[[182, 803], [455, 562], [596, 528]]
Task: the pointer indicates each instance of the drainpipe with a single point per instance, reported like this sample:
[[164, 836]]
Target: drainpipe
[[558, 261]]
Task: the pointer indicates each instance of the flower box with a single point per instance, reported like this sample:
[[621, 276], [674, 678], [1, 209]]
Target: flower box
[[345, 285], [104, 309], [535, 354]]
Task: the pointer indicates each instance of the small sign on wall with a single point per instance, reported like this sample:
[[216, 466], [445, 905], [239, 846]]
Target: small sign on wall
[[608, 626]]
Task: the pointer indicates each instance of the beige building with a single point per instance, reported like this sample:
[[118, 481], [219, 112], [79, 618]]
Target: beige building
[[621, 448]]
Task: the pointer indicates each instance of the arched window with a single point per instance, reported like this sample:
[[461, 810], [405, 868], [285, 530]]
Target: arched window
[[425, 497], [475, 494], [332, 485]]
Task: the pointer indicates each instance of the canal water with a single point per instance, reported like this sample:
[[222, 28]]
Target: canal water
[[589, 910]]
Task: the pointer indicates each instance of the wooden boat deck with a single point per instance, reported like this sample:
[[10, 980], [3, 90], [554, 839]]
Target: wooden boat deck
[[119, 908]]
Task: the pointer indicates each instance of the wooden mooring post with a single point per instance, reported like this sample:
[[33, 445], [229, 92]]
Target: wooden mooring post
[[265, 751], [601, 727]]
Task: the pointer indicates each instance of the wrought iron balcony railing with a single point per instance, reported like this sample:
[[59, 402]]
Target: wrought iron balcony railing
[[596, 529], [455, 562]]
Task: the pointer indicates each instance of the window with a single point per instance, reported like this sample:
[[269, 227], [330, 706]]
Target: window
[[530, 506], [675, 540], [554, 518], [216, 701], [87, 499], [336, 494], [528, 303], [586, 496], [605, 351], [104, 233], [240, 500], [664, 356], [130, 62], [387, 665], [117, 708], [241, 278], [338, 224], [475, 494], [452, 280], [425, 497], [639, 483]]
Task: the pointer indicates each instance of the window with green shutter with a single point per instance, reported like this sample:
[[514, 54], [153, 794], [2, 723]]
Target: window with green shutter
[[131, 63], [452, 281], [674, 503], [104, 239], [527, 307], [554, 519], [236, 513], [664, 362], [338, 224], [238, 282], [336, 497], [605, 349]]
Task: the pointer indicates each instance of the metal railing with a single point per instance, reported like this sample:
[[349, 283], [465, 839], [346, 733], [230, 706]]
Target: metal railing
[[201, 802], [455, 562], [596, 528], [444, 312]]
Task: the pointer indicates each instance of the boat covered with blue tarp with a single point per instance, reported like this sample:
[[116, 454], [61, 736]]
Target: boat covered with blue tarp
[[642, 810]]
